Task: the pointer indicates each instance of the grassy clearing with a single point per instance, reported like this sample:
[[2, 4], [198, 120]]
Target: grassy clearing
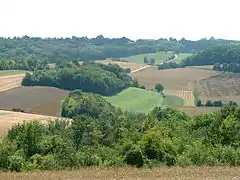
[[11, 72], [171, 100], [159, 56], [136, 100]]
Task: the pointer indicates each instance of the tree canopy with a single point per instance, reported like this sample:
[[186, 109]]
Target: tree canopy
[[101, 135], [83, 48], [89, 77]]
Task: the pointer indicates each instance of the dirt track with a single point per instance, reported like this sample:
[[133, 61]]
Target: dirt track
[[36, 100]]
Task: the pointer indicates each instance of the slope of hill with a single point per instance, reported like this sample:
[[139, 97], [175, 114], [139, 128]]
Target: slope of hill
[[136, 100], [219, 54], [158, 56], [89, 77]]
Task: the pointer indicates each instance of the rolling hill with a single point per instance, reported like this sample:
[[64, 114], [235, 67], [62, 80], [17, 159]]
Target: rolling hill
[[136, 100]]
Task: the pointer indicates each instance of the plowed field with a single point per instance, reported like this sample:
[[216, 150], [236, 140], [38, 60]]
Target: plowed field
[[36, 100]]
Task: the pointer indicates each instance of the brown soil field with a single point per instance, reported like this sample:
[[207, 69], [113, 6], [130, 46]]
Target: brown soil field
[[132, 66], [225, 87], [180, 79], [9, 118], [36, 100], [195, 111], [129, 173], [9, 82]]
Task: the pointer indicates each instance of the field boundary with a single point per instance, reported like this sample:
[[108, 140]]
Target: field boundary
[[134, 71]]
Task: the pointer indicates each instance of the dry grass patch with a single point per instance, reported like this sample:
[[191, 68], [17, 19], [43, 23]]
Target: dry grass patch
[[9, 82], [9, 118], [128, 173]]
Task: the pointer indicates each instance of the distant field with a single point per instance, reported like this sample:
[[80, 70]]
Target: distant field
[[224, 86], [11, 72], [9, 118], [35, 100], [10, 81], [195, 111], [207, 67], [130, 173], [125, 65], [180, 79], [136, 100], [159, 56]]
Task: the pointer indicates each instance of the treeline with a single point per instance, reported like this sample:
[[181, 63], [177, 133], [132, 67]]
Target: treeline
[[232, 67], [225, 58], [25, 64], [89, 77], [218, 103], [83, 48], [101, 135]]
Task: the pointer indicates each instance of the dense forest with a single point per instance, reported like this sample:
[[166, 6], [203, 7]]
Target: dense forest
[[225, 58], [83, 48], [25, 64], [231, 67], [89, 77], [101, 135]]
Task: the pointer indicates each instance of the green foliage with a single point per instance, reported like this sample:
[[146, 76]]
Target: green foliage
[[199, 103], [90, 77], [171, 100], [224, 58], [25, 64], [159, 87], [110, 137], [83, 103], [83, 48], [208, 103]]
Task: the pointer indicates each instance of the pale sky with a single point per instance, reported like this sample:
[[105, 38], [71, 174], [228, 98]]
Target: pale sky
[[191, 19]]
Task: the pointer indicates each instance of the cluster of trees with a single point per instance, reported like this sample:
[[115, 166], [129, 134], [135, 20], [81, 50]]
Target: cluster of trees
[[83, 48], [214, 103], [89, 77], [219, 54], [170, 65], [25, 64], [225, 58], [149, 61], [231, 67], [101, 135], [209, 103]]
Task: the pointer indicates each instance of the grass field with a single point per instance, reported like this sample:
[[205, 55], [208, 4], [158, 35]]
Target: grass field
[[11, 72], [136, 100], [130, 173], [159, 56], [171, 100]]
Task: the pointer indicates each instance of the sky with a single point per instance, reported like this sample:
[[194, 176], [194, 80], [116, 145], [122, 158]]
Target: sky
[[135, 19]]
